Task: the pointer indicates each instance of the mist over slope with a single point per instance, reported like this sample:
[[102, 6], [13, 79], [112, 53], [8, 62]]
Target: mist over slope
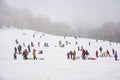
[[24, 18]]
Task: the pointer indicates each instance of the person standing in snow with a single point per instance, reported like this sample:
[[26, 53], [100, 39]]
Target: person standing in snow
[[24, 44], [87, 53], [96, 53], [34, 54], [74, 55], [32, 45], [38, 44], [113, 51], [68, 55], [100, 49], [76, 43], [19, 48], [78, 48], [33, 35], [89, 43], [60, 43], [15, 56], [83, 54], [29, 50], [108, 53], [16, 41], [71, 55], [66, 42], [116, 56], [15, 49], [15, 53], [81, 48], [25, 54], [47, 44]]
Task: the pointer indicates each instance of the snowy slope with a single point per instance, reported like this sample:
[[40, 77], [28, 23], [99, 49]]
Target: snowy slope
[[55, 65]]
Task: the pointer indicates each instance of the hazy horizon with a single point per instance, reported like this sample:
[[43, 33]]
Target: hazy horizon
[[72, 12]]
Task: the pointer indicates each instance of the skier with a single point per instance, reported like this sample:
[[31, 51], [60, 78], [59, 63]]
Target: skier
[[34, 54], [115, 55], [97, 53]]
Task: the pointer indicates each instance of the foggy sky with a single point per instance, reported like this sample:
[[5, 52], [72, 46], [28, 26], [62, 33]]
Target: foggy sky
[[73, 12]]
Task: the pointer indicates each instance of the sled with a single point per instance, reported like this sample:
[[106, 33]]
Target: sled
[[37, 59], [91, 58], [41, 58], [117, 60], [77, 57]]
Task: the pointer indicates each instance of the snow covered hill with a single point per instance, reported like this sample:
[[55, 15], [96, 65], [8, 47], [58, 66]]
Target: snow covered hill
[[53, 63]]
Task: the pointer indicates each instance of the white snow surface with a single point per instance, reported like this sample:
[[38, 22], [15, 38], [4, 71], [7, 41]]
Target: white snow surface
[[55, 65]]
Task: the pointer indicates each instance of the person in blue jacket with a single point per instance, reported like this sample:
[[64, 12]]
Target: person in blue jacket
[[115, 55]]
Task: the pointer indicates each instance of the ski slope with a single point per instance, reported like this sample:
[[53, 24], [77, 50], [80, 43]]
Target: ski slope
[[55, 65]]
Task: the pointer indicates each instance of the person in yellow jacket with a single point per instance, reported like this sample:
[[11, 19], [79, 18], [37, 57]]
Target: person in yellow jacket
[[74, 55], [34, 54]]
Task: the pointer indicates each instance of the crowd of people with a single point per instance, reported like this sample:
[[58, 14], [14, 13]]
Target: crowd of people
[[19, 50], [70, 55], [98, 53]]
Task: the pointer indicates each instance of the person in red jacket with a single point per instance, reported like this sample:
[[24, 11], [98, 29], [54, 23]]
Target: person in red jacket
[[108, 53], [68, 55], [83, 54], [96, 53], [25, 53]]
